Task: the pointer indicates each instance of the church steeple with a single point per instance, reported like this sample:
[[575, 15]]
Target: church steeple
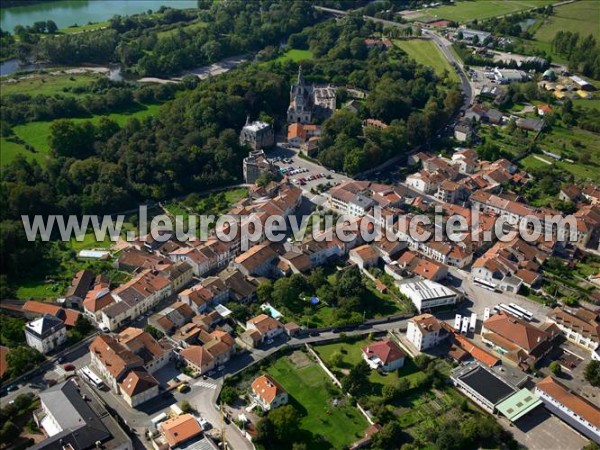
[[300, 76]]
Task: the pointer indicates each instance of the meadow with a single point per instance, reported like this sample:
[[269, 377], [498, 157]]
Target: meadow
[[427, 53], [47, 84], [295, 55], [466, 11]]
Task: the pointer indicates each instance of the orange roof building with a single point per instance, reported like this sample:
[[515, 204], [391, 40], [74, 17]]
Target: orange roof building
[[570, 407], [180, 429], [268, 393]]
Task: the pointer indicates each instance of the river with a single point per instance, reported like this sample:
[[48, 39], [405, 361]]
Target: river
[[69, 12]]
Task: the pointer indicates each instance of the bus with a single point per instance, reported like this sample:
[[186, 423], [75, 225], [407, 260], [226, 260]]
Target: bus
[[486, 314], [91, 377], [457, 321], [528, 315], [509, 310], [465, 325], [473, 322], [484, 284]]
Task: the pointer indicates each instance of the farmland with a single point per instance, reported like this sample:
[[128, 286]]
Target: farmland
[[466, 11], [427, 53], [581, 17]]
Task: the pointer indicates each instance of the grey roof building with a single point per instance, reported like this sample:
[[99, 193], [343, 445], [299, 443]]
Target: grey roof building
[[73, 418]]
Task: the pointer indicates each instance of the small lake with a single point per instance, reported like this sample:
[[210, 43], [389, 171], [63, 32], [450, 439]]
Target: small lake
[[69, 12]]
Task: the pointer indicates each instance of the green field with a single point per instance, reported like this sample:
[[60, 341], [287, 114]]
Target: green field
[[37, 133], [186, 28], [295, 55], [324, 425], [352, 355], [466, 11], [10, 150], [426, 52], [582, 17], [81, 28], [46, 84]]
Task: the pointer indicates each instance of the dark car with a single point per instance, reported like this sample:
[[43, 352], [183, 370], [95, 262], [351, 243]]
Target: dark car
[[334, 330], [12, 388], [69, 367], [314, 333]]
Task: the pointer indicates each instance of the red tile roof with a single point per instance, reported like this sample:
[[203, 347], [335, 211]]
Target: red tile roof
[[386, 350]]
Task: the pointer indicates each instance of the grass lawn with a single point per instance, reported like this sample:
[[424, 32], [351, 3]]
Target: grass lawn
[[37, 133], [593, 103], [186, 28], [427, 53], [581, 17], [295, 55], [46, 84], [466, 11], [9, 151], [352, 355], [81, 28], [311, 392]]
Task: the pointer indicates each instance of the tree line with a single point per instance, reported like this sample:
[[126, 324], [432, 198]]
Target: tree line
[[582, 53]]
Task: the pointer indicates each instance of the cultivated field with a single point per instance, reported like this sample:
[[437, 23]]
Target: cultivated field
[[427, 53], [582, 17], [466, 11]]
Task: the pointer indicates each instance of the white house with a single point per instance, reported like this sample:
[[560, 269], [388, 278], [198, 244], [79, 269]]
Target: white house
[[268, 393], [267, 326], [425, 331], [579, 326], [46, 333], [385, 355]]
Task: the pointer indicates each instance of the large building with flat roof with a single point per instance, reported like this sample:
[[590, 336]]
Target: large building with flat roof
[[428, 294], [73, 418], [481, 385]]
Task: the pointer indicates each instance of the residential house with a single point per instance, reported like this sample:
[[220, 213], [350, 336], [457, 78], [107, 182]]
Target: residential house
[[33, 309], [46, 333], [198, 359], [255, 165], [139, 387], [179, 274], [80, 285], [267, 326], [385, 355], [169, 319], [112, 360], [425, 331], [268, 393], [154, 354], [581, 325], [463, 131], [364, 256], [591, 193], [257, 261], [570, 193], [131, 259], [181, 430], [96, 300]]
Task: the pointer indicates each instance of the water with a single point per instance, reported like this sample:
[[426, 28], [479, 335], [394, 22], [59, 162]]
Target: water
[[69, 12], [11, 66], [526, 24]]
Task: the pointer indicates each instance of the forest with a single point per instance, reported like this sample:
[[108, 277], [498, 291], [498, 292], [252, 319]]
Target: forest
[[581, 52]]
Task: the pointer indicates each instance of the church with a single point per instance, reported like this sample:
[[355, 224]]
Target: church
[[309, 103]]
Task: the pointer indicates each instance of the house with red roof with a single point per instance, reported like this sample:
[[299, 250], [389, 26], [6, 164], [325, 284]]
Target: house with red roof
[[385, 355]]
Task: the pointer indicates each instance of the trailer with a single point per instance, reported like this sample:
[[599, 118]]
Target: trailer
[[486, 314], [465, 325], [457, 321], [473, 322]]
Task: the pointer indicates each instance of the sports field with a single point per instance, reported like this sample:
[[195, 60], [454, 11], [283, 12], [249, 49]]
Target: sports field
[[427, 53], [466, 11]]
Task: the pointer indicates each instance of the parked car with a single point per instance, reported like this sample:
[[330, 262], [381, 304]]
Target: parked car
[[69, 367], [12, 388]]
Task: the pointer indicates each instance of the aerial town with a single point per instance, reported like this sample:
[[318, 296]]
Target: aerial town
[[398, 119]]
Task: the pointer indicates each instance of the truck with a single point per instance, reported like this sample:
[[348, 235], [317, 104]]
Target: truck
[[457, 321], [465, 325], [473, 322]]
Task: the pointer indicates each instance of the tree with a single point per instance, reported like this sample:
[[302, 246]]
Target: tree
[[229, 395], [388, 437], [51, 27], [286, 423], [22, 359], [264, 291], [154, 332], [555, 368], [83, 325], [185, 406], [422, 361], [592, 373], [357, 379], [336, 359]]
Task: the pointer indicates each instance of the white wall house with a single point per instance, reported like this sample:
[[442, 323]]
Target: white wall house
[[46, 333], [425, 331]]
